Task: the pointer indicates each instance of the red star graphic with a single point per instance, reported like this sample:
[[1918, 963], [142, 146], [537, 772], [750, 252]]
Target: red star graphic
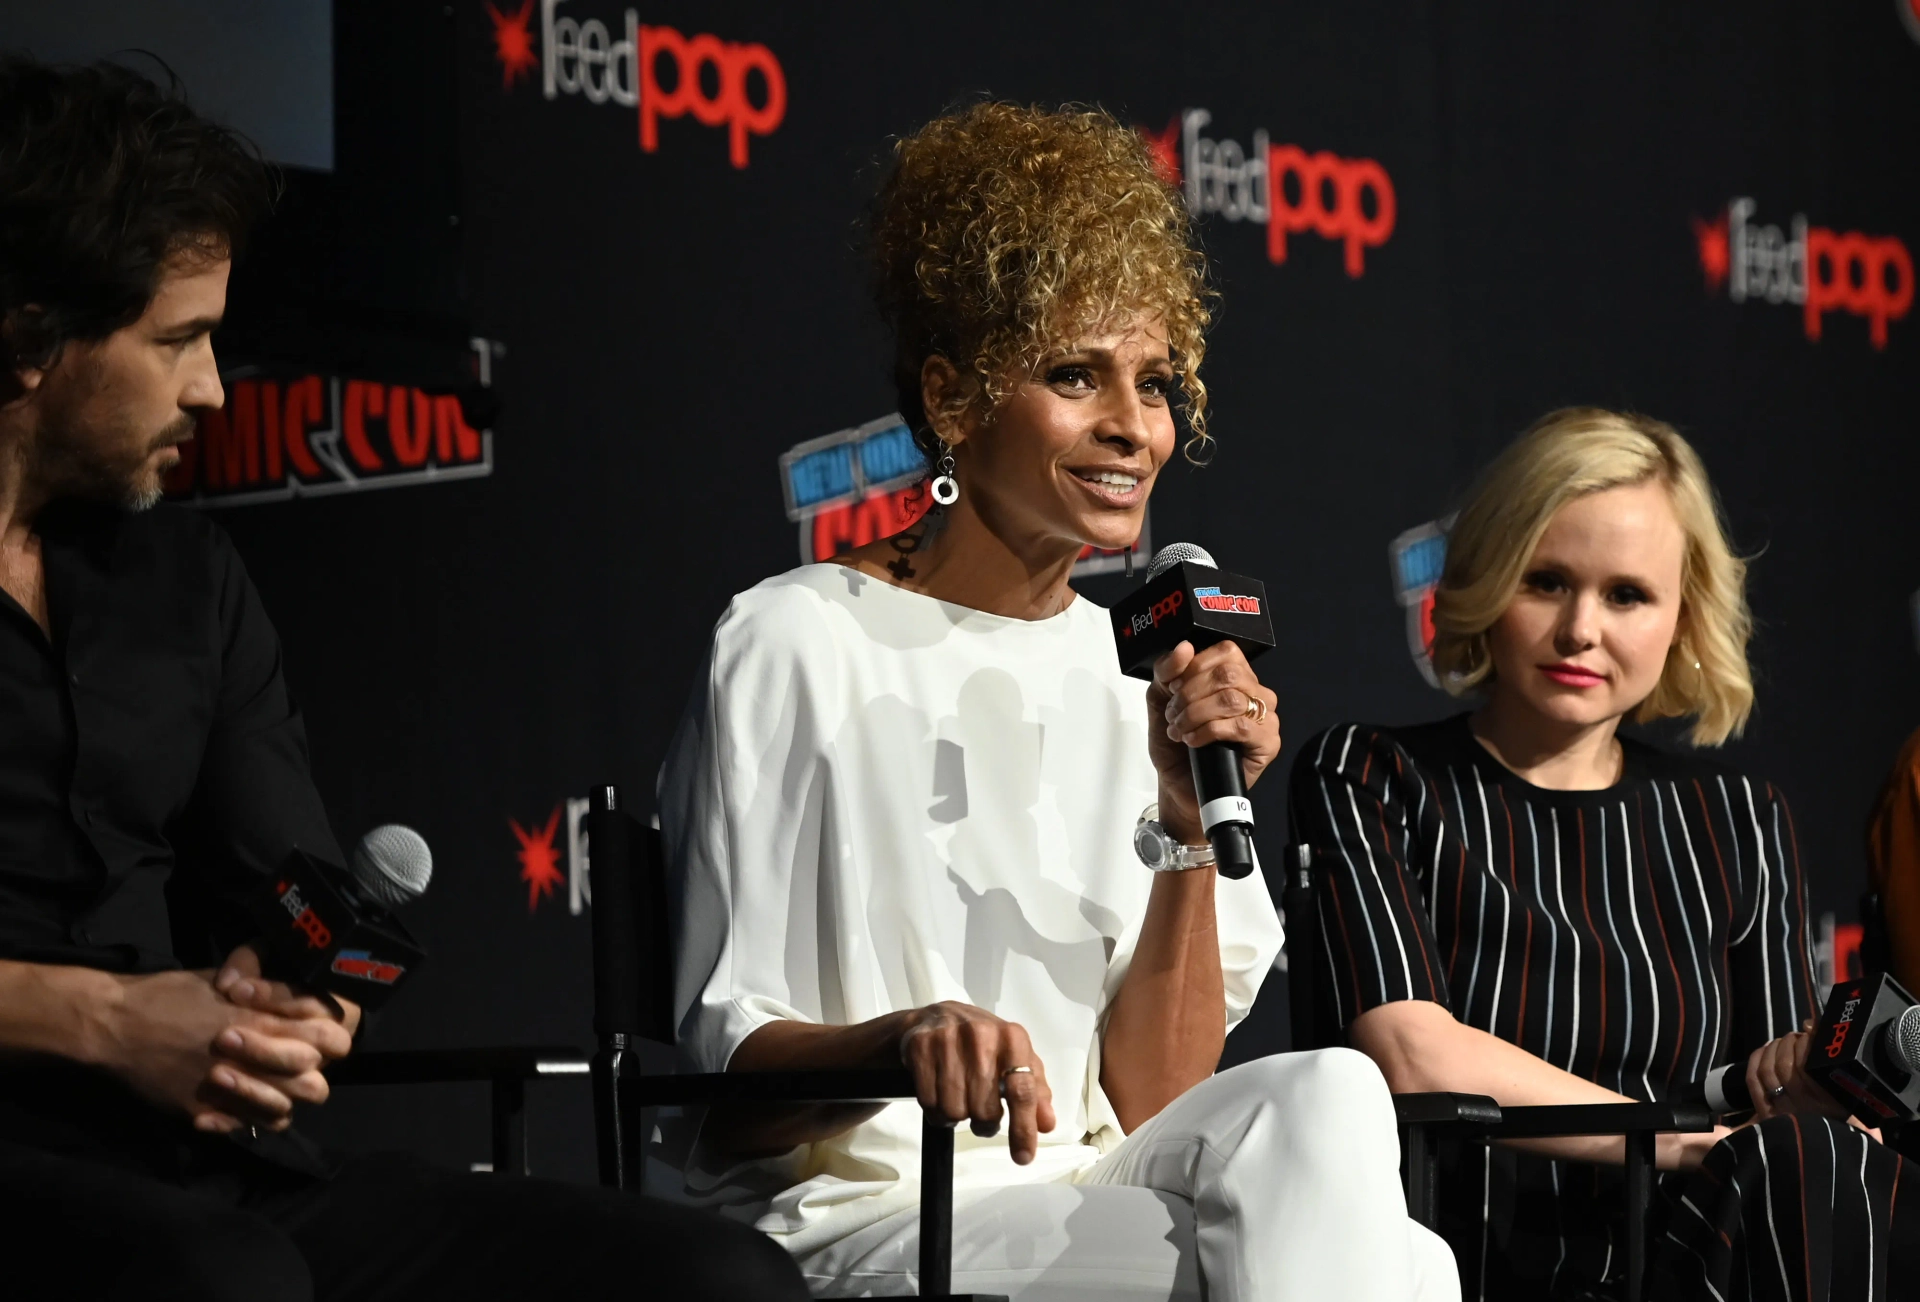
[[1716, 254], [513, 43], [539, 860], [1164, 147]]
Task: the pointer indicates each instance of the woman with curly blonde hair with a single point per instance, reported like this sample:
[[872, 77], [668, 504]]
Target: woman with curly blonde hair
[[1524, 903], [901, 811]]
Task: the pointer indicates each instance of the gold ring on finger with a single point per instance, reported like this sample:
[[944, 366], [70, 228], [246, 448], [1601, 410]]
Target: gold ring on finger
[[1256, 710]]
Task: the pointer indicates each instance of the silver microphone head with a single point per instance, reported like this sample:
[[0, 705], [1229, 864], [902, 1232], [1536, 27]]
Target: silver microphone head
[[1903, 1039], [1175, 553], [392, 864]]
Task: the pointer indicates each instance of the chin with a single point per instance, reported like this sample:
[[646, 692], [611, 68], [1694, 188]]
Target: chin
[[1581, 710], [1108, 534], [143, 493]]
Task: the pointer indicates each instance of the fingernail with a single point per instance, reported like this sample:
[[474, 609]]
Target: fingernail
[[232, 1039], [226, 1079], [228, 975], [244, 990]]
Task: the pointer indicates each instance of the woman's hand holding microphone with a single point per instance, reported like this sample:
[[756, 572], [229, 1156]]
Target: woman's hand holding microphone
[[1201, 697]]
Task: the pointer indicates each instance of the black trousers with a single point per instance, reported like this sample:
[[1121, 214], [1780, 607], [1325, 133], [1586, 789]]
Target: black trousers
[[184, 1216]]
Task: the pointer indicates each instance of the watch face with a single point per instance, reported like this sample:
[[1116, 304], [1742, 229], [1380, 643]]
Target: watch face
[[1150, 843]]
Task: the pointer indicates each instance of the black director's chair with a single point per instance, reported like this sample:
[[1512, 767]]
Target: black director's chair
[[633, 1008], [1424, 1118]]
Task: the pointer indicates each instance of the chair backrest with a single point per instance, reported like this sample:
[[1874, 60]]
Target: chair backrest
[[1312, 1019], [1310, 1022], [1873, 936], [632, 948]]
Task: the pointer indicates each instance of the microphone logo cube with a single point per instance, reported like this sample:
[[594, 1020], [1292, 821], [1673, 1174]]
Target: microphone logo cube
[[320, 936], [1848, 1057], [1190, 603]]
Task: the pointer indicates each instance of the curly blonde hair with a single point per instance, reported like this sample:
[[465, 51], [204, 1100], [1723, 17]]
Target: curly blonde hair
[[1003, 231], [1569, 454]]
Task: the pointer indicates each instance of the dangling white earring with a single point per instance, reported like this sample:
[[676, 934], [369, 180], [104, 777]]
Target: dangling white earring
[[946, 489]]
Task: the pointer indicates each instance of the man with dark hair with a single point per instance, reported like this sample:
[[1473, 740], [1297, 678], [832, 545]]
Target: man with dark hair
[[153, 768]]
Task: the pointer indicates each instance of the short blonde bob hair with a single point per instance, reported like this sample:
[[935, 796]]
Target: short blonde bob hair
[[1003, 230], [1568, 454]]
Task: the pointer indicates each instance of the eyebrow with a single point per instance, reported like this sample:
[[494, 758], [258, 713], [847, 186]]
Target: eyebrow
[[1104, 355], [1561, 568], [197, 326]]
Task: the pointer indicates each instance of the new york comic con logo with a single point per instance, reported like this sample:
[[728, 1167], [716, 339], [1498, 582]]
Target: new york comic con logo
[[1283, 187], [854, 486], [297, 434], [738, 86], [1815, 268]]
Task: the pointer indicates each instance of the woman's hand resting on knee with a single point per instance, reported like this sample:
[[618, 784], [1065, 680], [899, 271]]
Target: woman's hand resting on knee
[[965, 1060]]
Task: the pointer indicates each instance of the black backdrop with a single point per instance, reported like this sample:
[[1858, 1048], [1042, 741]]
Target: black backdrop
[[474, 652]]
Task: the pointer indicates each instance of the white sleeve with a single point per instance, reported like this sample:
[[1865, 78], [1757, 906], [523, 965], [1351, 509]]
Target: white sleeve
[[1250, 938], [741, 809]]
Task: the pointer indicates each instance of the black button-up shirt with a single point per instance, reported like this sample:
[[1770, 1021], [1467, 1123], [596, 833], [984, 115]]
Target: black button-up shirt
[[152, 766]]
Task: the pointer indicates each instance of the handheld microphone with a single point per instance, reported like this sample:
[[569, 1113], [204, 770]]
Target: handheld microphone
[[1723, 1090], [332, 929], [1864, 1052], [1188, 598], [1866, 1049]]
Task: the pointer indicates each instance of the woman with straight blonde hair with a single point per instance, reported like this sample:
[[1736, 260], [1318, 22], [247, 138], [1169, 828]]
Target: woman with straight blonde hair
[[1523, 903]]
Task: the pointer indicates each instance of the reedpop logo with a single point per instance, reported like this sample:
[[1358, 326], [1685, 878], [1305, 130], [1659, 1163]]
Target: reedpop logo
[[583, 57], [1818, 269], [1282, 187]]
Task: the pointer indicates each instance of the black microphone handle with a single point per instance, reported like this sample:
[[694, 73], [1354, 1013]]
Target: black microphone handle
[[1216, 776]]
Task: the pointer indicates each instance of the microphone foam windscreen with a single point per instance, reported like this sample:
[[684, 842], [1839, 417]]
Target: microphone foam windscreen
[[1903, 1038], [1174, 554], [392, 864]]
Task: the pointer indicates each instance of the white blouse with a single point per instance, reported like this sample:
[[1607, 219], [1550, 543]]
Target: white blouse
[[878, 801]]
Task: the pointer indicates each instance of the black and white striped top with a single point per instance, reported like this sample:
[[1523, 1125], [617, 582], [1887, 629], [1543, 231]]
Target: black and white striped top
[[1635, 936]]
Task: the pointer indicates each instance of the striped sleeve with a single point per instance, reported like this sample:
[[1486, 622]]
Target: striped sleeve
[[1770, 961], [1373, 821]]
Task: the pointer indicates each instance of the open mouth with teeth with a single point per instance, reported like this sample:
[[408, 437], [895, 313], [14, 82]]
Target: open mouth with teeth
[[1117, 486]]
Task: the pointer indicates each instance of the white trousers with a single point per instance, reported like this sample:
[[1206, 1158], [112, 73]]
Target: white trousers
[[1276, 1181]]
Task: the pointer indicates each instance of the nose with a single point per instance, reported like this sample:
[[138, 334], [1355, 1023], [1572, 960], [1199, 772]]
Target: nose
[[1579, 626], [1123, 420], [203, 391]]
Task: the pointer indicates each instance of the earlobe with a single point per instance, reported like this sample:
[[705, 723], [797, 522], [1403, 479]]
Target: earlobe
[[941, 397]]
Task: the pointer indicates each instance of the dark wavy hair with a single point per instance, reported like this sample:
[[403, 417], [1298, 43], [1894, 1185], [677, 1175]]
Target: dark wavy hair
[[105, 177]]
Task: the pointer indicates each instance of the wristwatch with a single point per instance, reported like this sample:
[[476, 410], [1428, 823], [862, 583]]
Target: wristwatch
[[1161, 852]]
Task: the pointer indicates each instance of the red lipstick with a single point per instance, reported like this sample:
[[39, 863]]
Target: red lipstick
[[1573, 675]]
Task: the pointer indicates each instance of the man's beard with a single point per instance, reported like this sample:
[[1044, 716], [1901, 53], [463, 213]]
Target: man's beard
[[80, 467]]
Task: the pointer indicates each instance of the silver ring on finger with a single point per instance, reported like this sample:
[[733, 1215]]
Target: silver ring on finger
[[1012, 1071], [1776, 1092]]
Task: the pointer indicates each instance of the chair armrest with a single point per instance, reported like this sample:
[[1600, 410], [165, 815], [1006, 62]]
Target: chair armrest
[[430, 1066], [1547, 1121], [876, 1085], [1468, 1110]]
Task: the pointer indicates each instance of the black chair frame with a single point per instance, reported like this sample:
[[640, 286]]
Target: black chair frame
[[1425, 1118], [505, 1069], [633, 1008]]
